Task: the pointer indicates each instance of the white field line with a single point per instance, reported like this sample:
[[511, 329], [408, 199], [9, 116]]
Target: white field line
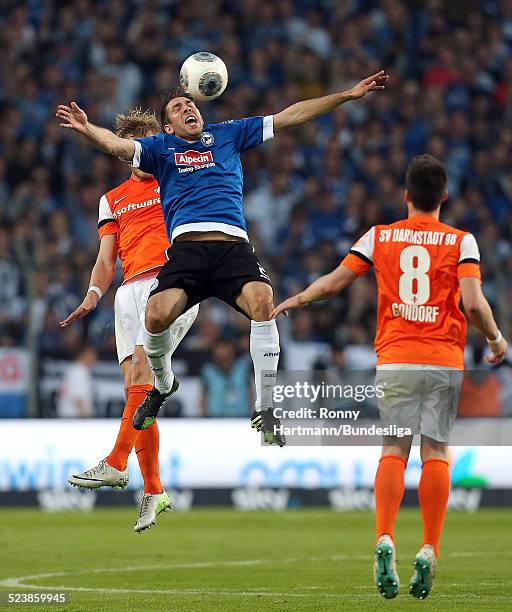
[[22, 582], [192, 565]]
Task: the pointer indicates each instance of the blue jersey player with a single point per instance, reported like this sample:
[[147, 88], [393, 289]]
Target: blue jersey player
[[200, 175]]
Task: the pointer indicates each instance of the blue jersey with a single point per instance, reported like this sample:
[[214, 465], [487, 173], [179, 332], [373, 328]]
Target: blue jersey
[[201, 182]]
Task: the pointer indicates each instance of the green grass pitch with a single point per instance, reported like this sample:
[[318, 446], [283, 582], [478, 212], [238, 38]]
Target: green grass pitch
[[315, 560]]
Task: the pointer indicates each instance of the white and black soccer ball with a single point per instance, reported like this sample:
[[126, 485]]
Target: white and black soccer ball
[[204, 75]]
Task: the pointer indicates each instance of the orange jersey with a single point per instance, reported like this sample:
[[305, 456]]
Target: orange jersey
[[418, 263], [133, 212]]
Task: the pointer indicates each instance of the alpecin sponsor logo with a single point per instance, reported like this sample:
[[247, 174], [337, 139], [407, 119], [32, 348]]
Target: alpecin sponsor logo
[[193, 158]]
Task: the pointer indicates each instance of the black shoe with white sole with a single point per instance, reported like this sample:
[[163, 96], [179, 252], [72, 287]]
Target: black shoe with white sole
[[146, 413], [265, 422]]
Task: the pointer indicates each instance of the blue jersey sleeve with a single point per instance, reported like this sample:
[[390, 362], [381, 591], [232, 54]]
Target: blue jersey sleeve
[[251, 132], [147, 153]]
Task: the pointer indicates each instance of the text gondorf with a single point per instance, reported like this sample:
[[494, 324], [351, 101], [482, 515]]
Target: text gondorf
[[412, 312]]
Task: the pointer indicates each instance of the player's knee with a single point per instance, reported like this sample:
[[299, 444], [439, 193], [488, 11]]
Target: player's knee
[[261, 306], [432, 449], [155, 319]]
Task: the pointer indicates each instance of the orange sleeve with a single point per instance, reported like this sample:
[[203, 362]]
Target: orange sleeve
[[104, 229], [469, 269], [356, 264]]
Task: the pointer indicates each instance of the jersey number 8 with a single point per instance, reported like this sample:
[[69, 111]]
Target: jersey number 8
[[414, 285]]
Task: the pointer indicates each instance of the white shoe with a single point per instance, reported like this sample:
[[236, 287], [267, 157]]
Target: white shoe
[[151, 505], [384, 568], [102, 475], [425, 567]]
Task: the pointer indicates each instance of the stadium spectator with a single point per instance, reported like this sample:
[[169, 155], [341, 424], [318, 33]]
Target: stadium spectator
[[76, 395], [226, 391]]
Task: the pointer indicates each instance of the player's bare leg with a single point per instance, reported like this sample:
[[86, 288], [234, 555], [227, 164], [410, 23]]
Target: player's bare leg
[[389, 490], [162, 310], [433, 493], [257, 301]]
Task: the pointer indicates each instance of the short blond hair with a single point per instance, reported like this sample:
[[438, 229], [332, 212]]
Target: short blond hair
[[136, 124]]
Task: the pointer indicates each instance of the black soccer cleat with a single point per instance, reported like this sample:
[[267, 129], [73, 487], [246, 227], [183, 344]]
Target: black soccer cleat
[[146, 413], [266, 423]]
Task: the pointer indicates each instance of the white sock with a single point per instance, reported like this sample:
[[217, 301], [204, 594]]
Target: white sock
[[158, 348], [264, 347], [181, 326]]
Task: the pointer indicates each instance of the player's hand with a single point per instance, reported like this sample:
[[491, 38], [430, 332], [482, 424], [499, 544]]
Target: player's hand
[[498, 350], [72, 117], [374, 82], [284, 307], [88, 305]]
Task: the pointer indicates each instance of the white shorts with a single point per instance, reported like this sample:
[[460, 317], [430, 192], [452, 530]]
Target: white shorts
[[129, 308], [424, 398]]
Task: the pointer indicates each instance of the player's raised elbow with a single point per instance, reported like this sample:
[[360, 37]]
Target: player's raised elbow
[[124, 149]]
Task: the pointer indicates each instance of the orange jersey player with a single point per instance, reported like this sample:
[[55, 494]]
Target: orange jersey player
[[418, 263], [133, 213], [423, 269], [131, 227]]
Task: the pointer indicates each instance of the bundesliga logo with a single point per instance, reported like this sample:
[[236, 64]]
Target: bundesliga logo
[[193, 158]]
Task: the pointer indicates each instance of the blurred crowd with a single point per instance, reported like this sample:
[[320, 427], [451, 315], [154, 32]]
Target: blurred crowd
[[309, 193]]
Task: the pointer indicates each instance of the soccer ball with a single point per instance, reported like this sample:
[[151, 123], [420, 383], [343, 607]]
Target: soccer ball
[[204, 75]]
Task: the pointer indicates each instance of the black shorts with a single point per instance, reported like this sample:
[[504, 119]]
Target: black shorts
[[210, 268]]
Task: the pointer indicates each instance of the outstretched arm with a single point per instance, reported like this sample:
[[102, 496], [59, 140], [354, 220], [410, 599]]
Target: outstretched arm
[[101, 277], [305, 111], [324, 287], [73, 117]]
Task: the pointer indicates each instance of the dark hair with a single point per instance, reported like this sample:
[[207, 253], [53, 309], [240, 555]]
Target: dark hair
[[175, 92], [426, 181]]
